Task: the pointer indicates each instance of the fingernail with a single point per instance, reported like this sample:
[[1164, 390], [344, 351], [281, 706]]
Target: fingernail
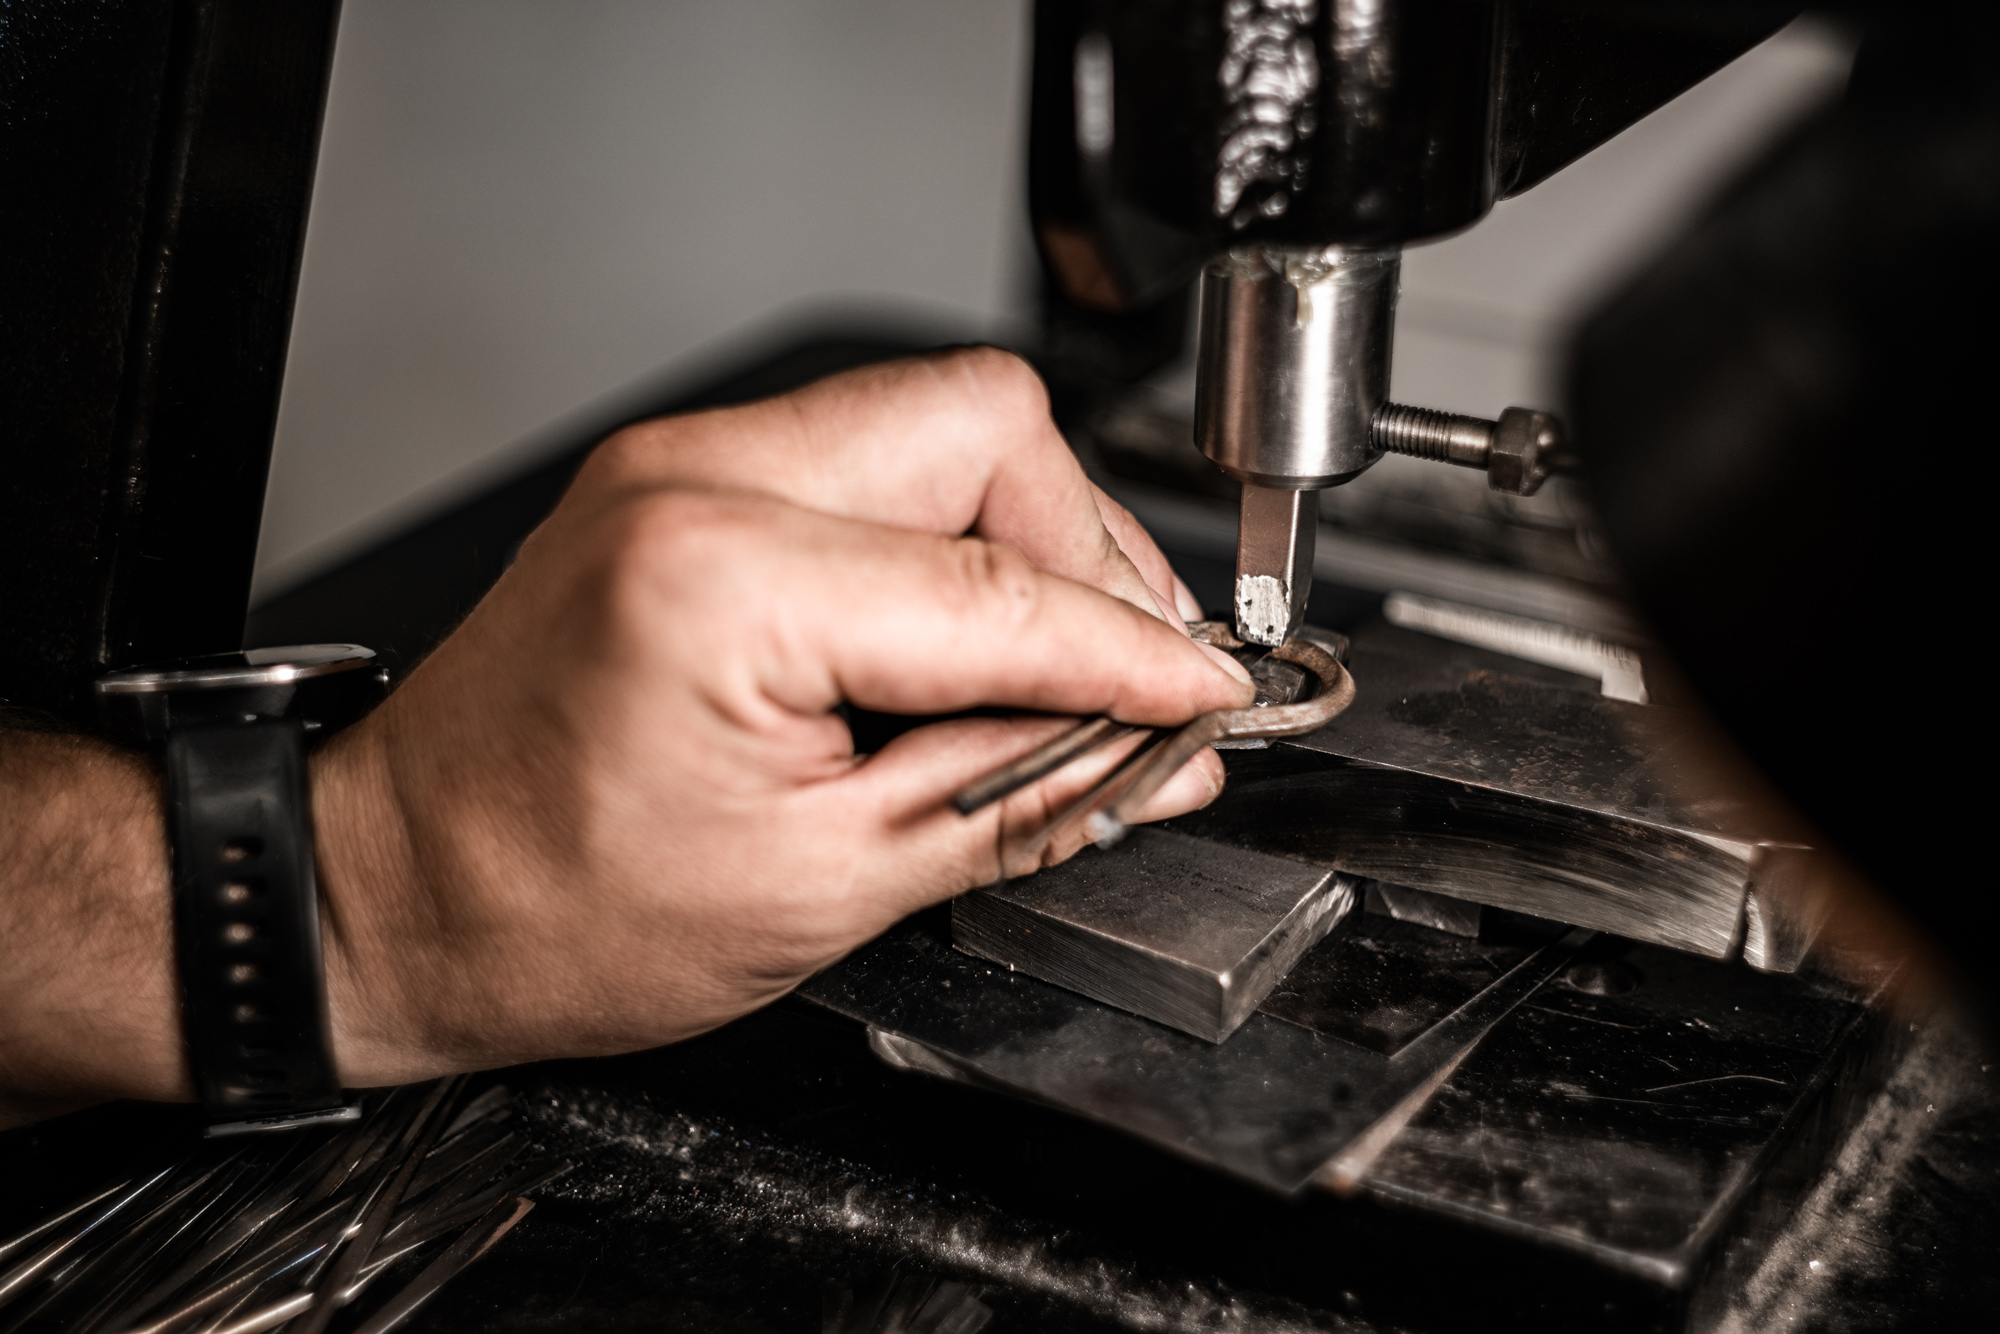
[[1227, 663], [1185, 603], [1167, 612]]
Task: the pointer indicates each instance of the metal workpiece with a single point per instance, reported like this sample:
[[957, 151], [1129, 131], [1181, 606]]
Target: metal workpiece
[[1274, 562], [1108, 808], [1185, 932], [1293, 361], [1039, 763], [1518, 452]]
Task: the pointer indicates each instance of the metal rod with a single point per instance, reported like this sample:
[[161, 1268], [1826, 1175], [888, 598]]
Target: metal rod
[[266, 1202], [1110, 806], [381, 1201], [274, 1257], [1336, 691], [1040, 762], [22, 1239], [21, 1275], [478, 1239]]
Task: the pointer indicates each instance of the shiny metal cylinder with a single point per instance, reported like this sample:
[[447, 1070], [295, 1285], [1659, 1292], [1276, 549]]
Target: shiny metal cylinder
[[1293, 361]]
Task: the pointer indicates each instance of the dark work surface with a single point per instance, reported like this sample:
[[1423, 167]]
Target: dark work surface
[[1378, 982], [733, 1182]]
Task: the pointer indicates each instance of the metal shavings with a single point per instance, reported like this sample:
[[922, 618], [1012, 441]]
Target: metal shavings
[[248, 1234]]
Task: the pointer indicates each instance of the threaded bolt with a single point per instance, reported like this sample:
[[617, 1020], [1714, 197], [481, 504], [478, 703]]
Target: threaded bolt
[[1428, 433], [1517, 452]]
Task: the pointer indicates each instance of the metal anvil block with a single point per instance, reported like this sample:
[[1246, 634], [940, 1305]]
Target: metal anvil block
[[1483, 778], [1184, 932]]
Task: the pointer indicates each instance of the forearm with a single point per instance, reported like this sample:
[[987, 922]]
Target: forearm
[[88, 1003]]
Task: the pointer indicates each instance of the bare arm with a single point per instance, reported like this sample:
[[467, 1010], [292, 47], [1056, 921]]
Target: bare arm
[[87, 992], [617, 806]]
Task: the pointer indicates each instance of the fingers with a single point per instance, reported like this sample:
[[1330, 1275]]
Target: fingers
[[828, 610], [1143, 552], [949, 443], [1187, 604], [928, 852]]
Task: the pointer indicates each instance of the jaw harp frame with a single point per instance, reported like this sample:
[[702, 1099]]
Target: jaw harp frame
[[1109, 807]]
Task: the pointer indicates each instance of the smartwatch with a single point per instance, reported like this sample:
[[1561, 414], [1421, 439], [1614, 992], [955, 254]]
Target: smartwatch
[[231, 732]]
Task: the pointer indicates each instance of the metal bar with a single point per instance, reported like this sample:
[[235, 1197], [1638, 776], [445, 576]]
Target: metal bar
[[264, 1206], [1107, 789], [1040, 762], [380, 1204], [495, 1224], [1336, 691], [272, 1258], [21, 1239], [20, 1276], [165, 1231]]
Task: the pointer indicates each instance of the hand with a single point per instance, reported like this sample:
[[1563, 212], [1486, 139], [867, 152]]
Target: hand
[[617, 808]]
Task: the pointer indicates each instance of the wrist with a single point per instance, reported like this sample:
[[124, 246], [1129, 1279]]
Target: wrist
[[368, 885]]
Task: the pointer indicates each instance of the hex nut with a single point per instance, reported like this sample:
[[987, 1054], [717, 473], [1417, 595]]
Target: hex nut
[[1524, 442]]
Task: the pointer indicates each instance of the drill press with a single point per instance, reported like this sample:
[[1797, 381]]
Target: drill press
[[1286, 151], [1291, 396]]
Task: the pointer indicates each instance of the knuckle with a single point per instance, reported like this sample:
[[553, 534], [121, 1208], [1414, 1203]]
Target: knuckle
[[624, 456], [996, 582], [1004, 381], [676, 539]]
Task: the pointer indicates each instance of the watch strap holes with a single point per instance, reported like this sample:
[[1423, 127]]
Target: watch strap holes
[[239, 933], [239, 850], [242, 891]]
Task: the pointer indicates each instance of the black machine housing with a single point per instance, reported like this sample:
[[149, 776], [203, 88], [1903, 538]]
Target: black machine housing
[[1304, 122]]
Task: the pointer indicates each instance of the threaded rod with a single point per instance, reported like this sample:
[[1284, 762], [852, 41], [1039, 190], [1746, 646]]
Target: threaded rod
[[1428, 433]]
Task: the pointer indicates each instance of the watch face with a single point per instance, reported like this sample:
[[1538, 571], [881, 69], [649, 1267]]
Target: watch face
[[235, 671]]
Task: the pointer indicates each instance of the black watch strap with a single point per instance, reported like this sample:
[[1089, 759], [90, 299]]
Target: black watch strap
[[246, 917]]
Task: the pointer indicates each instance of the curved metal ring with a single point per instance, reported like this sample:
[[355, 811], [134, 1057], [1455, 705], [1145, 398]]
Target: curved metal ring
[[1150, 773]]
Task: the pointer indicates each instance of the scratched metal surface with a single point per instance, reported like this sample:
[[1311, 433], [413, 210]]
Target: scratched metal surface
[[1186, 932], [1432, 706], [1631, 1127], [1475, 775]]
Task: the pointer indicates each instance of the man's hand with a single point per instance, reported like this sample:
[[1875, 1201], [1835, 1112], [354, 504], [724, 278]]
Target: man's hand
[[616, 808]]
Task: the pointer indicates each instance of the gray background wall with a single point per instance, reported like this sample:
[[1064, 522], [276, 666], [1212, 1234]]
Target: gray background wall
[[526, 206]]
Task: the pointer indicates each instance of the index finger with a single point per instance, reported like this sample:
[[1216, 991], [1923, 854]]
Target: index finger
[[949, 443]]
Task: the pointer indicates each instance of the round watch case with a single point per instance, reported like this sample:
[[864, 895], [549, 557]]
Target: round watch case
[[326, 686]]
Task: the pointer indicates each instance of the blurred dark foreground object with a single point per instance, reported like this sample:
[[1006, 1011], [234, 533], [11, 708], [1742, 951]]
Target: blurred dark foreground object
[[1784, 436]]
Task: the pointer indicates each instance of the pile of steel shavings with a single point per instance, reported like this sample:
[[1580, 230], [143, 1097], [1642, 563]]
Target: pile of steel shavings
[[264, 1232]]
